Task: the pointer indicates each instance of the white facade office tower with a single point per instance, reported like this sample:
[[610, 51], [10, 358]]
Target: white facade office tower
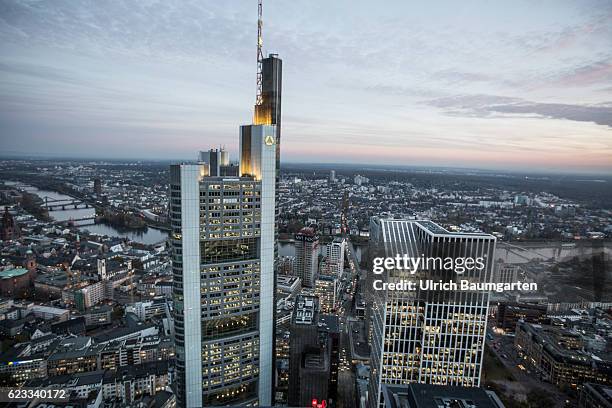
[[327, 283], [427, 336], [223, 265], [306, 256], [258, 160], [334, 257]]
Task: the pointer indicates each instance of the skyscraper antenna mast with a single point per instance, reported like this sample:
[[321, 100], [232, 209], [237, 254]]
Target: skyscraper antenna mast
[[259, 98]]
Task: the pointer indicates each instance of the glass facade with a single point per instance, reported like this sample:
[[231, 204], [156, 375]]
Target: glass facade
[[226, 304], [223, 266], [427, 336]]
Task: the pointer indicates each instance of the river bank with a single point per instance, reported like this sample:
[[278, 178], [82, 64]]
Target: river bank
[[107, 224]]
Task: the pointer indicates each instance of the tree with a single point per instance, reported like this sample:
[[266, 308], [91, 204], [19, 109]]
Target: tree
[[538, 398]]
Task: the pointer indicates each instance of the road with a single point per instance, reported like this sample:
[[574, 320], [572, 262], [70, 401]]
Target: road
[[346, 372]]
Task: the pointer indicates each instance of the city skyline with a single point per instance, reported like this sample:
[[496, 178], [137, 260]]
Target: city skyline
[[485, 86]]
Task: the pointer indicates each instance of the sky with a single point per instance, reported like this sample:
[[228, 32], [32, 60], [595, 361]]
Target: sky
[[512, 84]]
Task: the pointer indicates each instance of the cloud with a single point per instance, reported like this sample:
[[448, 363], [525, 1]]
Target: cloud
[[453, 76], [486, 105], [597, 72], [602, 115], [140, 73]]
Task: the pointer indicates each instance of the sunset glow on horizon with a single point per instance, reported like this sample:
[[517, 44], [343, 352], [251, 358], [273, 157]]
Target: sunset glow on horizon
[[516, 85]]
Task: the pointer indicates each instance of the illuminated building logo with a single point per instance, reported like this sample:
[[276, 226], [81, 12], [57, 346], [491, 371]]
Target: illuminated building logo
[[269, 140]]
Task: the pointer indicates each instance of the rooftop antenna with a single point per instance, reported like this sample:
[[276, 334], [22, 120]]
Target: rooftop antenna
[[259, 98]]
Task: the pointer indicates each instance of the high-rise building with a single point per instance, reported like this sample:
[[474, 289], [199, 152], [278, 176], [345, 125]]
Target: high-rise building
[[334, 257], [268, 108], [313, 354], [224, 231], [269, 111], [97, 186], [332, 176], [328, 281], [223, 263], [327, 290], [427, 336], [257, 159], [306, 256]]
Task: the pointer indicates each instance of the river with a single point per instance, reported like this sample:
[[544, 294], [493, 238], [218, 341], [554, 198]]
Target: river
[[557, 251], [148, 236]]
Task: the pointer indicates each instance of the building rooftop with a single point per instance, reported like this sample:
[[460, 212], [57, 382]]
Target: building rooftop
[[439, 396], [12, 273], [600, 391], [306, 308]]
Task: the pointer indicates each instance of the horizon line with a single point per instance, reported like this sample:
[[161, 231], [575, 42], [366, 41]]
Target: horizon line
[[535, 171]]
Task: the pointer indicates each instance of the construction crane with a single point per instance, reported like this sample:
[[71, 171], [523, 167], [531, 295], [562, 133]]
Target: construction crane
[[259, 97]]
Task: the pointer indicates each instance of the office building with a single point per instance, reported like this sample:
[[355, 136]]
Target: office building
[[92, 294], [332, 176], [557, 354], [224, 237], [285, 265], [509, 313], [257, 159], [595, 396], [223, 262], [313, 354], [326, 289], [288, 285], [334, 257], [97, 186], [306, 256], [429, 395], [328, 281], [426, 336], [506, 272], [268, 111]]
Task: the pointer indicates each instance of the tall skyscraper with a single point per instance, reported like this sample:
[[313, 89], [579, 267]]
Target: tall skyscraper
[[269, 111], [223, 263], [224, 246], [268, 101], [306, 256], [257, 160], [427, 336]]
